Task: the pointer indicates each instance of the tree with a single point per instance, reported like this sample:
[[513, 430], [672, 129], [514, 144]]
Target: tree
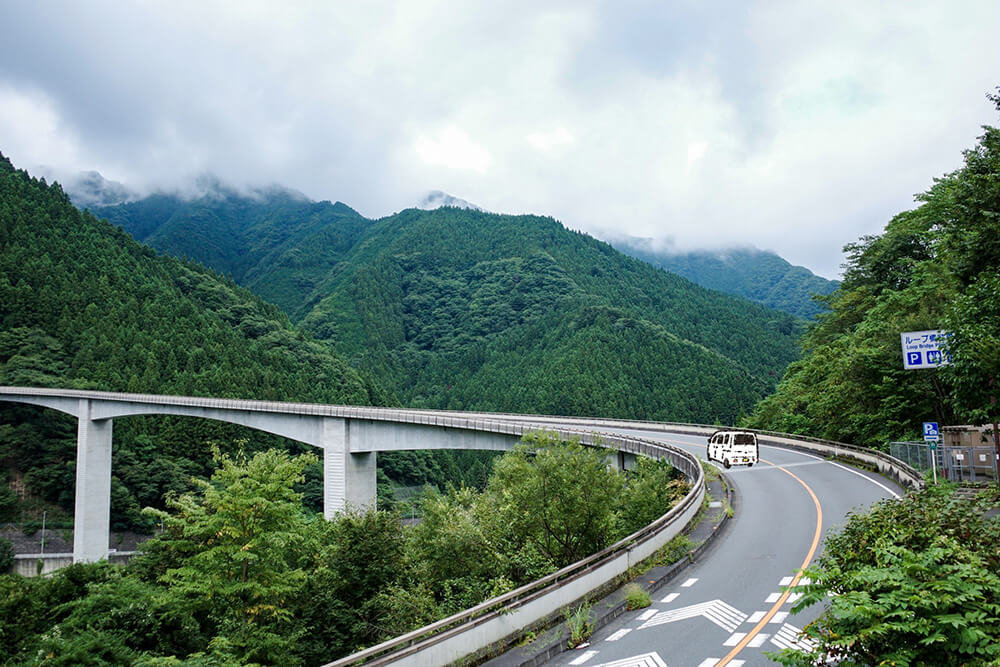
[[243, 534], [912, 581], [555, 495]]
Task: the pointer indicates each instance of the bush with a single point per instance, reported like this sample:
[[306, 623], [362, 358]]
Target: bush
[[912, 581], [6, 555], [636, 597]]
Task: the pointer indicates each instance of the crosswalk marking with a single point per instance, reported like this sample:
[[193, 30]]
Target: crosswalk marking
[[756, 616], [758, 641], [785, 581], [584, 657], [644, 660], [734, 639], [689, 583], [670, 598], [725, 616], [794, 597], [779, 617], [788, 637], [618, 635], [773, 597], [712, 662]]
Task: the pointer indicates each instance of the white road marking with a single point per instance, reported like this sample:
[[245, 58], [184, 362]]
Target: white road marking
[[587, 655], [648, 614], [794, 597], [772, 598], [734, 639], [618, 635], [756, 616], [758, 641], [725, 616], [855, 472], [788, 637], [644, 660], [670, 598], [785, 581], [689, 583], [779, 617], [708, 662]]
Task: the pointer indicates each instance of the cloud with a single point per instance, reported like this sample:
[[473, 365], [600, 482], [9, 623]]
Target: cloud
[[795, 127]]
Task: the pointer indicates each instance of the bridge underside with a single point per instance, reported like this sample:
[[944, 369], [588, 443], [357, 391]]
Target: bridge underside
[[349, 451]]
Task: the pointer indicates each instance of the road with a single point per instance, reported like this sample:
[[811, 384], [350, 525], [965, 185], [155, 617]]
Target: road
[[728, 608]]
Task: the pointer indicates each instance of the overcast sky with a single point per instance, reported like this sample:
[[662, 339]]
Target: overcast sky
[[791, 126]]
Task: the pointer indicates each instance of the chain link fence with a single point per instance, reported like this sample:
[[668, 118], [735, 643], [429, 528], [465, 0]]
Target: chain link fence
[[955, 463]]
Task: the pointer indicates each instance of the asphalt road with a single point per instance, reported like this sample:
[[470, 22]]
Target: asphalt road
[[728, 609]]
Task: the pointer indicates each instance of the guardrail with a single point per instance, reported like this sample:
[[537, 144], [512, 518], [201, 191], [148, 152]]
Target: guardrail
[[490, 622], [494, 620]]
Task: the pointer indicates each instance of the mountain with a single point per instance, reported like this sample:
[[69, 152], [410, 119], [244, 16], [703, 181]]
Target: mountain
[[463, 309], [437, 199], [757, 275], [88, 189], [83, 305]]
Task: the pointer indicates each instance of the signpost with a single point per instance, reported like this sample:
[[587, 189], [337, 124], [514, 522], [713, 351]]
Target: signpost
[[922, 349], [931, 436]]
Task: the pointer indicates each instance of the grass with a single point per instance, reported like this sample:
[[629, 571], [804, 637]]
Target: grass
[[579, 624], [636, 597]]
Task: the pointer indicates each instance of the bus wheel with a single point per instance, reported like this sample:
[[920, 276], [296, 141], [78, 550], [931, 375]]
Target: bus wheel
[[726, 463], [750, 465]]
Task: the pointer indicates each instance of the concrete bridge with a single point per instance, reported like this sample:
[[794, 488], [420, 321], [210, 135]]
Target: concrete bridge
[[349, 437]]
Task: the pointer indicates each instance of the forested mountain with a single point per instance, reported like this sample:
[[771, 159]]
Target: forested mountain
[[465, 309], [83, 305], [934, 267], [757, 275]]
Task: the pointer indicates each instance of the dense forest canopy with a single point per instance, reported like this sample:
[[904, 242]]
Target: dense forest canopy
[[83, 305], [464, 309], [934, 267], [758, 275]]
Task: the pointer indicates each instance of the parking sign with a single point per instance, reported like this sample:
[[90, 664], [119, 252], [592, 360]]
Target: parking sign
[[922, 349], [931, 432]]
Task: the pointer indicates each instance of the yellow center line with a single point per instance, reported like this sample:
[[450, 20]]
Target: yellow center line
[[795, 580]]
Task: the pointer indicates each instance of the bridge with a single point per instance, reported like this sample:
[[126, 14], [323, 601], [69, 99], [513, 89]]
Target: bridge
[[781, 515], [349, 436]]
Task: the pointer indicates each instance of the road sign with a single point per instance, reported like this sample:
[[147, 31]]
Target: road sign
[[922, 349], [931, 432]]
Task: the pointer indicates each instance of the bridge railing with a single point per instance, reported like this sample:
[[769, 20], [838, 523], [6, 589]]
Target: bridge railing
[[492, 621]]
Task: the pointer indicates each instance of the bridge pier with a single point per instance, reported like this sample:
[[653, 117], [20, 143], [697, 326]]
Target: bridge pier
[[92, 515], [349, 480]]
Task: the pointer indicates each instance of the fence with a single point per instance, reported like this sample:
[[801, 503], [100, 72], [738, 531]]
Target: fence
[[955, 463]]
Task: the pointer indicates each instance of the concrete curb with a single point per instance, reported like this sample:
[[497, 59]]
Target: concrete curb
[[711, 524]]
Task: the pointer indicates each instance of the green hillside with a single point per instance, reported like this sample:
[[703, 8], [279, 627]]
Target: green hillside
[[84, 305], [463, 309], [757, 275], [935, 267]]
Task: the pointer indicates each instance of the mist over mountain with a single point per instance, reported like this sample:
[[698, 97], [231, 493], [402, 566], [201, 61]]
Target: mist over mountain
[[459, 308], [759, 275], [88, 189], [437, 199]]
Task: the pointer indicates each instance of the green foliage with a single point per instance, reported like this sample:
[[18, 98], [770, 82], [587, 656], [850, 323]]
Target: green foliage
[[461, 309], [932, 267], [914, 582], [636, 597], [6, 555], [82, 305], [758, 275], [561, 497], [650, 487], [243, 536], [579, 624]]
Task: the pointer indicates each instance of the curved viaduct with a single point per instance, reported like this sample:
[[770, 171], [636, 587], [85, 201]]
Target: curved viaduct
[[349, 437]]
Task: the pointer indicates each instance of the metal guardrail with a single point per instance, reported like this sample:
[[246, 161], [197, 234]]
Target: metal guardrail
[[547, 594], [408, 646]]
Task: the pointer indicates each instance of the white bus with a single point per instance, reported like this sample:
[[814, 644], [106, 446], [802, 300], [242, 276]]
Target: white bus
[[733, 448]]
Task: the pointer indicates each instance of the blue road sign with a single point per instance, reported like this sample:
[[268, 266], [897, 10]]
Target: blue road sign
[[922, 349], [931, 432]]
